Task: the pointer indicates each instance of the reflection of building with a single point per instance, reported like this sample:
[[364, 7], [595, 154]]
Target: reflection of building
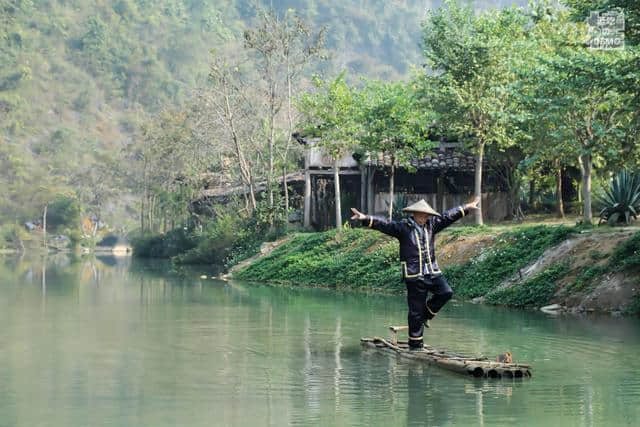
[[444, 179]]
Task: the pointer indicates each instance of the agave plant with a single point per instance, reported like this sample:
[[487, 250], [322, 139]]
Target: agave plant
[[400, 201], [621, 200]]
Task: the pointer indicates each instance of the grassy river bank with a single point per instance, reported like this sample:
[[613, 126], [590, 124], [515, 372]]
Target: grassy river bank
[[593, 270]]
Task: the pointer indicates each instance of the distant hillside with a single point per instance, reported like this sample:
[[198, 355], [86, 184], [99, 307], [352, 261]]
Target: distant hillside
[[76, 77]]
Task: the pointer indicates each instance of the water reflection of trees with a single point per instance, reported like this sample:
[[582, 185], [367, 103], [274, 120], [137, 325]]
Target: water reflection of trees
[[263, 354]]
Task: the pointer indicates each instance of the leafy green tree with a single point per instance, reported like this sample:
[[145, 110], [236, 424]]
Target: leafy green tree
[[584, 119], [329, 114], [581, 10], [537, 133], [393, 123], [623, 69], [468, 59], [63, 211]]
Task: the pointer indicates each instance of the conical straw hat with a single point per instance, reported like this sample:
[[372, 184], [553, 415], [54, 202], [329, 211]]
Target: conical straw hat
[[421, 206]]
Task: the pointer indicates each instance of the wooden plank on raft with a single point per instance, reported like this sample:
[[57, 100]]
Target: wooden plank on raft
[[394, 333]]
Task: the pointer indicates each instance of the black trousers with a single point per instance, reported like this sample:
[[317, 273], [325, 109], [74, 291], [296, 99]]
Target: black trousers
[[420, 308]]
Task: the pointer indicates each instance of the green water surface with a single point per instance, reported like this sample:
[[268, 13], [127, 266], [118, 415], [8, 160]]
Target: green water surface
[[107, 342]]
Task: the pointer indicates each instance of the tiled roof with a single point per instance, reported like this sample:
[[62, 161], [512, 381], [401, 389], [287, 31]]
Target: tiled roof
[[227, 190], [447, 156]]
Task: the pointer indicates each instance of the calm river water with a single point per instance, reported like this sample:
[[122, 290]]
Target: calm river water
[[105, 342]]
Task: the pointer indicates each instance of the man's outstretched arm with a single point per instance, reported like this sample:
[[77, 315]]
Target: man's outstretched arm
[[452, 215], [392, 228]]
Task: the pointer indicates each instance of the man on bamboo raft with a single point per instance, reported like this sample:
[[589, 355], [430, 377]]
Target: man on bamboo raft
[[420, 270]]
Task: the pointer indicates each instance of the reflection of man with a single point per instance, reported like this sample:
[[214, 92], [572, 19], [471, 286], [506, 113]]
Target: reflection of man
[[417, 255]]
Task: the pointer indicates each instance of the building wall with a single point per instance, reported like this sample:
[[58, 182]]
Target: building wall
[[495, 204]]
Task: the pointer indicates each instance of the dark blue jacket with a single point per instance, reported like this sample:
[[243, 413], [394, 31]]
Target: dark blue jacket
[[417, 244]]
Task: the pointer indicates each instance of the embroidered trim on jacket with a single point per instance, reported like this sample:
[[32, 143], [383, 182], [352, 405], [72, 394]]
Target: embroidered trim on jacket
[[415, 232]]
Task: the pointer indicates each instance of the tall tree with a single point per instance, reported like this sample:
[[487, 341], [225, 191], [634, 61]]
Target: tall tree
[[393, 124], [329, 114], [224, 115], [583, 118], [281, 47], [467, 56]]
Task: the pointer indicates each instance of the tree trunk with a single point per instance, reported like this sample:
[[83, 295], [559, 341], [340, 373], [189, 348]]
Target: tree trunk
[[336, 183], [20, 242], [391, 187], [164, 220], [142, 215], [477, 185], [44, 227], [363, 189], [151, 205], [559, 201], [246, 199], [585, 168], [370, 190], [252, 194], [271, 143], [286, 196], [245, 169], [532, 190], [307, 199]]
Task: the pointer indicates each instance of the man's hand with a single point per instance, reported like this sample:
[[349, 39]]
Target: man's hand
[[357, 214], [473, 204]]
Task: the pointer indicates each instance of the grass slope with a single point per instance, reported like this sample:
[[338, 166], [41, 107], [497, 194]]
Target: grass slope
[[365, 260]]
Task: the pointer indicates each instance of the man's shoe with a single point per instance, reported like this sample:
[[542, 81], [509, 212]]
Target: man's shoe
[[428, 315], [416, 348]]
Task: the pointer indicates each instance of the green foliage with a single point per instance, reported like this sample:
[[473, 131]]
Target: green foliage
[[621, 200], [510, 252], [223, 241], [634, 307], [584, 281], [400, 201], [627, 254], [359, 259], [534, 292], [392, 121], [165, 245], [352, 258], [581, 9], [63, 211], [11, 236], [465, 230], [330, 115], [469, 56]]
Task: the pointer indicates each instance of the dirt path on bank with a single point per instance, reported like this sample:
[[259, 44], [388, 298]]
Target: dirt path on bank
[[265, 249]]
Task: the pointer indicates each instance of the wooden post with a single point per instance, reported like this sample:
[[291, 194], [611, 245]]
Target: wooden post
[[370, 195], [307, 199], [363, 189], [336, 191], [440, 205], [44, 227], [394, 333], [307, 191]]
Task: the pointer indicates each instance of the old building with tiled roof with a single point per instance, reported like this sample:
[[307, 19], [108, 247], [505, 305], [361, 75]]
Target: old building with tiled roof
[[444, 178]]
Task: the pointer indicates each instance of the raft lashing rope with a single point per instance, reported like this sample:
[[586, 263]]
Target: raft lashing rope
[[479, 367]]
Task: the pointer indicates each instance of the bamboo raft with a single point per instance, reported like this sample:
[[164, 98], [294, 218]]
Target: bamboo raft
[[479, 367]]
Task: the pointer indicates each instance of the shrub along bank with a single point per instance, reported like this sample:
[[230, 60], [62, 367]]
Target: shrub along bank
[[223, 242], [363, 260]]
